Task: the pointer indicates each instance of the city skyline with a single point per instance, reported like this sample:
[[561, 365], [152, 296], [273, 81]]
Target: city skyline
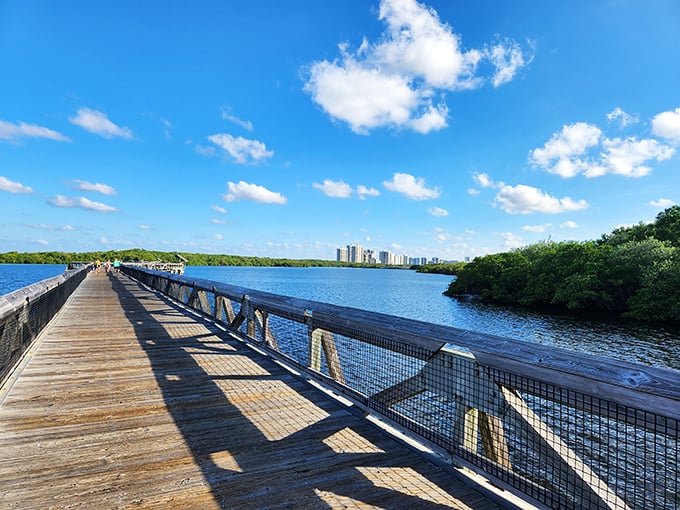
[[356, 253], [285, 129]]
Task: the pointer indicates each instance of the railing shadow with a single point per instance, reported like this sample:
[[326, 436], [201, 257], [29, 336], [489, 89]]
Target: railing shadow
[[256, 463]]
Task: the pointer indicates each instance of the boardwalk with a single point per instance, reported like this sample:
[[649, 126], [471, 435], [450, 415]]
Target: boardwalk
[[128, 401]]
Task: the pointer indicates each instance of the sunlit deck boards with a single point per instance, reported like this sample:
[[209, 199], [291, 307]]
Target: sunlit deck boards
[[129, 401]]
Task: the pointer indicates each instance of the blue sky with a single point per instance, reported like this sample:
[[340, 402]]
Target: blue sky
[[443, 129]]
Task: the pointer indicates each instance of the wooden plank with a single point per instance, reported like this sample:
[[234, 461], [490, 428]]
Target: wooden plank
[[130, 402]]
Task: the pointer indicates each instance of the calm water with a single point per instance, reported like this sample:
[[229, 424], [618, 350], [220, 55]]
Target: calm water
[[15, 276], [419, 296]]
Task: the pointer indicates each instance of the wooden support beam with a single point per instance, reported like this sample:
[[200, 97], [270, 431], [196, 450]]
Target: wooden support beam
[[262, 321]]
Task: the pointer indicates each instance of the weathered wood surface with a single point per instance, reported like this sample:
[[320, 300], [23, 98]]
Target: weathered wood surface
[[128, 402]]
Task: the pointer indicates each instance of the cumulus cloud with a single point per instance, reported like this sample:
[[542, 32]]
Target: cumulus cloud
[[483, 180], [13, 186], [569, 224], [218, 237], [364, 191], [144, 227], [98, 123], [218, 209], [522, 199], [570, 152], [662, 202], [246, 191], [393, 81], [218, 221], [97, 187], [667, 125], [335, 189], [412, 187], [12, 131], [340, 189], [627, 157], [623, 118], [562, 154], [243, 150], [80, 202], [438, 212]]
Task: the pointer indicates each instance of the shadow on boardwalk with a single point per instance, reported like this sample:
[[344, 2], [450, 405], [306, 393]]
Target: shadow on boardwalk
[[266, 439]]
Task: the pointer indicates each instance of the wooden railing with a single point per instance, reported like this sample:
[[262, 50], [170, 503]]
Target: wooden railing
[[25, 312], [565, 429]]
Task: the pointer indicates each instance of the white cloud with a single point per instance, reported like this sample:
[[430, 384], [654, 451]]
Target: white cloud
[[511, 241], [561, 154], [42, 241], [245, 124], [144, 227], [335, 189], [98, 187], [624, 118], [13, 186], [364, 192], [662, 202], [483, 180], [218, 221], [626, 157], [247, 191], [218, 209], [392, 82], [218, 237], [364, 98], [97, 122], [566, 153], [508, 58], [80, 202], [667, 125], [522, 199], [472, 191], [67, 228], [11, 131], [241, 149], [413, 188], [536, 228], [438, 212], [569, 224]]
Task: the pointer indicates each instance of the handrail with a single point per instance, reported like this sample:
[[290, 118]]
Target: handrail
[[26, 311], [556, 425]]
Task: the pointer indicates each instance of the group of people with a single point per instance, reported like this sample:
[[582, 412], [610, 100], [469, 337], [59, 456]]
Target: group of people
[[107, 266]]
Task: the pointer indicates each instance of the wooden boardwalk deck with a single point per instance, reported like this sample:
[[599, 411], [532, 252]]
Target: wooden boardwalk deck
[[127, 401]]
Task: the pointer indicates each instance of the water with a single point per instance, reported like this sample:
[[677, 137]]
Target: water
[[16, 276], [419, 296]]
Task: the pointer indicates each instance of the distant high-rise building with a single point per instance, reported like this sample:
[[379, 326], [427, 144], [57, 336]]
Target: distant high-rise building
[[356, 253], [343, 255]]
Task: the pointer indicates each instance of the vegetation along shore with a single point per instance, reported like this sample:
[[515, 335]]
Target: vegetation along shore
[[633, 272]]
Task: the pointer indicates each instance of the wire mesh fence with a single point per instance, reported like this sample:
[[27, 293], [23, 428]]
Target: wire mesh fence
[[565, 429]]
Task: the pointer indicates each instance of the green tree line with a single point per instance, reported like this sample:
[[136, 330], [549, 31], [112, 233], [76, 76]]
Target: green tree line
[[634, 272], [138, 254]]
